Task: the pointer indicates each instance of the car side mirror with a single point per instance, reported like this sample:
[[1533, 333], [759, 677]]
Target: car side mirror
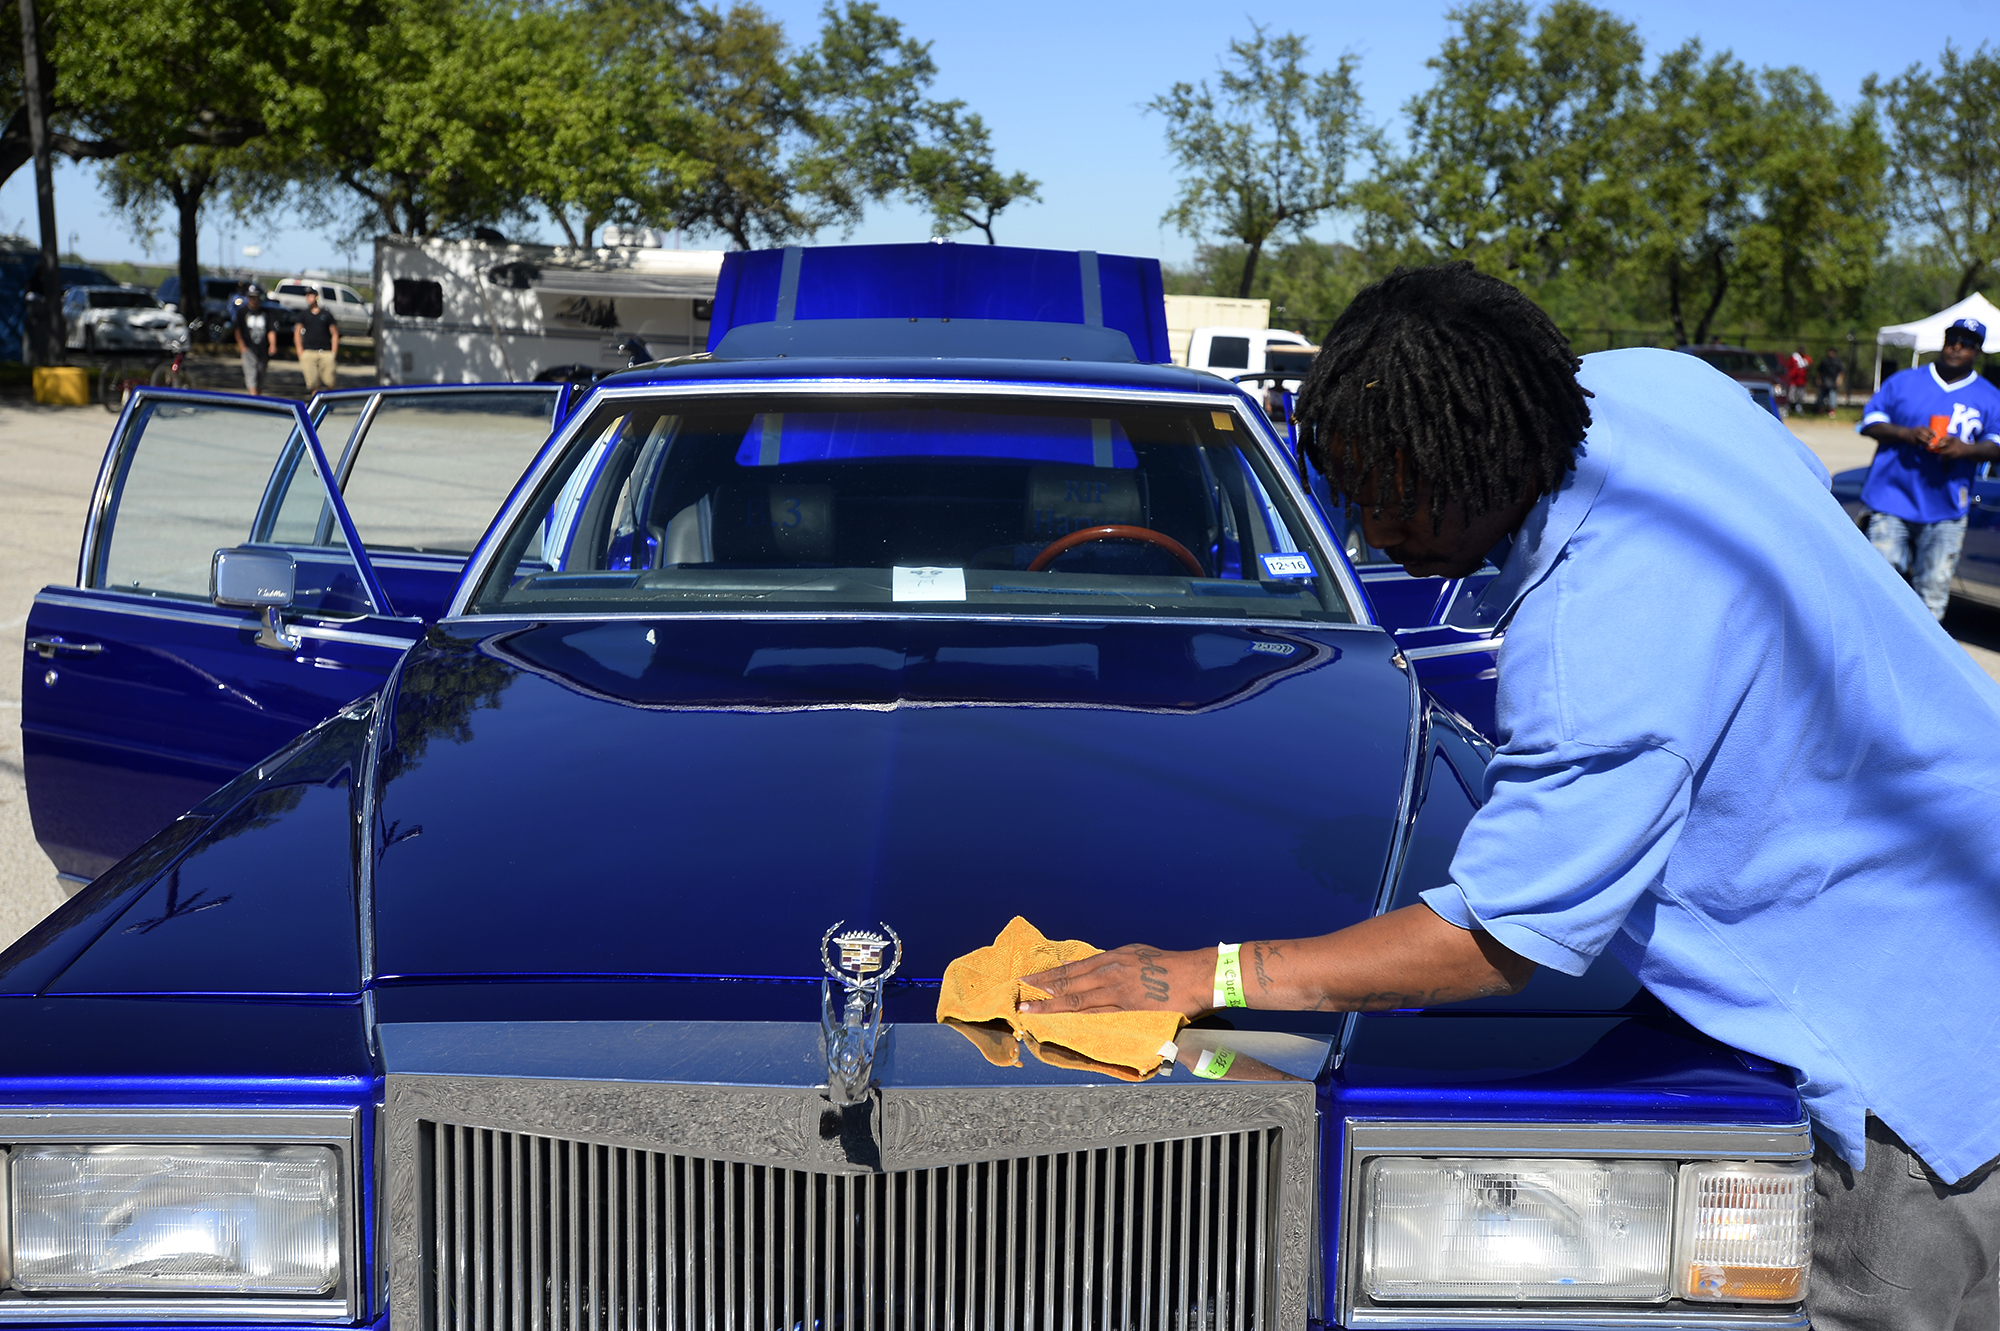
[[265, 580], [172, 305]]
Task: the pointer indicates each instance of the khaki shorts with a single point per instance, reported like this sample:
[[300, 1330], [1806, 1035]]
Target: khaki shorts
[[318, 368]]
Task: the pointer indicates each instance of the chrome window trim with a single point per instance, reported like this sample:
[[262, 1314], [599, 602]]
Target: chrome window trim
[[6, 1220], [1238, 403], [100, 494], [1453, 648], [482, 624], [1369, 1137], [337, 1127], [213, 616]]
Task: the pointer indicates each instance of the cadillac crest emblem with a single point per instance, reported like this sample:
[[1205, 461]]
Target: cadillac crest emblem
[[857, 964]]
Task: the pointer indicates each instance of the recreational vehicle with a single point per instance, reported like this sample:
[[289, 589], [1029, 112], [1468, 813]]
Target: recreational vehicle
[[471, 311]]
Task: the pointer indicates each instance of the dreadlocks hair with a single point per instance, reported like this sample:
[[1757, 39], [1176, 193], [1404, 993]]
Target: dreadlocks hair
[[1450, 376]]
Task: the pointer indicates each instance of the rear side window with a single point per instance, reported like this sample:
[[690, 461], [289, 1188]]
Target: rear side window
[[1229, 353], [419, 298], [433, 467]]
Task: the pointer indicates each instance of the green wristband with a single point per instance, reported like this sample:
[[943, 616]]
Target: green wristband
[[1229, 976], [1214, 1063]]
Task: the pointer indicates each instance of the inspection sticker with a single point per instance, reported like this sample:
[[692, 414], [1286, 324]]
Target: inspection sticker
[[1291, 565], [926, 583]]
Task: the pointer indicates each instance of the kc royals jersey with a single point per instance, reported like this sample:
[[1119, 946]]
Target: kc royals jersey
[[1908, 481]]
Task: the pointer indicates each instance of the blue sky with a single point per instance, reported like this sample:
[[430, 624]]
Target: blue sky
[[1062, 87]]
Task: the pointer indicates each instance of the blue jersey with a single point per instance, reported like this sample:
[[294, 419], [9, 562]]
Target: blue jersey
[[1908, 481]]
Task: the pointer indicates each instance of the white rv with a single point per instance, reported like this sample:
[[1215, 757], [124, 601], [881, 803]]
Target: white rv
[[467, 311]]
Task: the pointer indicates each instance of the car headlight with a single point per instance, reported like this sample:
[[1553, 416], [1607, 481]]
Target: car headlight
[[1519, 1230], [1608, 1231], [213, 1219]]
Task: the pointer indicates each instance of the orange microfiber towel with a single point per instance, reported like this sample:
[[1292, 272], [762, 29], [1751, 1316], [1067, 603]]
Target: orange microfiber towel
[[982, 990]]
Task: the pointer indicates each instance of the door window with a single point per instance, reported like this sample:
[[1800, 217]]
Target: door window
[[303, 515], [192, 478], [433, 468]]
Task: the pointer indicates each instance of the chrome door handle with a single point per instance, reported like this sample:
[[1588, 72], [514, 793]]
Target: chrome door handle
[[47, 648]]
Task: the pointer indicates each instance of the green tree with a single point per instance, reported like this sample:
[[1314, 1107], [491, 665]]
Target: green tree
[[1821, 220], [1519, 151], [184, 182], [952, 173], [603, 133], [1696, 151], [1308, 282], [412, 106], [1268, 155], [1944, 158]]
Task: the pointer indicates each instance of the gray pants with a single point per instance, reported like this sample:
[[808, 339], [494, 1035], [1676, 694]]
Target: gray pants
[[255, 367], [1895, 1249]]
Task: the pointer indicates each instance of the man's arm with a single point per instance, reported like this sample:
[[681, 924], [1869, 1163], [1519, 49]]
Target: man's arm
[[298, 340], [1899, 434], [1407, 958], [236, 329], [333, 333]]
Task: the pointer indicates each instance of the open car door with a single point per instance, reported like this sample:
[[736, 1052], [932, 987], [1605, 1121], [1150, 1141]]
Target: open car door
[[424, 467], [210, 622]]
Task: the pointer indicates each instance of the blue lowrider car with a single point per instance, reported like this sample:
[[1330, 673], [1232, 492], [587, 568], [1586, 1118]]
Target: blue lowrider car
[[931, 596]]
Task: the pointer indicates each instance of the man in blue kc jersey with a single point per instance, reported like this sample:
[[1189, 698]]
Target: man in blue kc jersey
[[1933, 427], [1734, 752]]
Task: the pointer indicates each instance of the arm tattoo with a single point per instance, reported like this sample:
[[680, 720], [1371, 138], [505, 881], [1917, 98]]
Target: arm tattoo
[[1258, 951], [1151, 977]]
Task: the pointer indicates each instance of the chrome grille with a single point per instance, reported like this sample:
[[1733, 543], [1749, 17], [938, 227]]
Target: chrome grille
[[523, 1232]]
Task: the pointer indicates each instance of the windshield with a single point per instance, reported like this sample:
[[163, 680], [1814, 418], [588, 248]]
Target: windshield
[[921, 504], [123, 300]]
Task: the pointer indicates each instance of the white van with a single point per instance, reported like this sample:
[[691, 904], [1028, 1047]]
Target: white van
[[1233, 351]]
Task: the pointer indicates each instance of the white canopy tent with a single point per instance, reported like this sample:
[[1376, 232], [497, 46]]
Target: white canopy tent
[[1923, 335]]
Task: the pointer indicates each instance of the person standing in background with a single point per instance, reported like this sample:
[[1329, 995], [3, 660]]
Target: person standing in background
[[1831, 368], [257, 338], [1933, 425], [316, 338], [1798, 366]]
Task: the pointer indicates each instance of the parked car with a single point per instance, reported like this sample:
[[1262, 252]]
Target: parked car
[[1758, 371], [1228, 351], [1978, 577], [211, 321], [120, 319], [354, 315], [504, 994]]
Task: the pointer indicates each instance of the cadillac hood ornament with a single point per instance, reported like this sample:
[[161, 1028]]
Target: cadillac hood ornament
[[857, 964]]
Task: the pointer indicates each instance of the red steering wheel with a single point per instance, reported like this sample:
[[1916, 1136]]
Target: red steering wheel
[[1116, 532]]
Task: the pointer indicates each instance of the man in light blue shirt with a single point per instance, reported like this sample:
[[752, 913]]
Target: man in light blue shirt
[[1734, 751]]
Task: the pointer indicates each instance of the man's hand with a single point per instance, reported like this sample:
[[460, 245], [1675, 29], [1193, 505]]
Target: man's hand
[[1409, 958], [1133, 978], [1951, 450]]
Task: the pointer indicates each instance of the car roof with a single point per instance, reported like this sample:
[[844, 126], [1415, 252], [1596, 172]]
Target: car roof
[[1000, 373]]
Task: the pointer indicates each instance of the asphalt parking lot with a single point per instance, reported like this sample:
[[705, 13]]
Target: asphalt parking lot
[[49, 456]]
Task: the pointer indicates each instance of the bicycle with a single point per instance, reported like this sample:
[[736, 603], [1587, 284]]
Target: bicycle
[[116, 380]]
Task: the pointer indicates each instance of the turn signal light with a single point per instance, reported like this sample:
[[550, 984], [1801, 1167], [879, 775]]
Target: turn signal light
[[1745, 1232]]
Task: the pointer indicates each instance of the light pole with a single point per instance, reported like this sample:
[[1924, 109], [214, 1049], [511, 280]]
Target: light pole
[[45, 185]]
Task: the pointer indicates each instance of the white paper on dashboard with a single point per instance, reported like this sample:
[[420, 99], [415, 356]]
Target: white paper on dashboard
[[926, 584]]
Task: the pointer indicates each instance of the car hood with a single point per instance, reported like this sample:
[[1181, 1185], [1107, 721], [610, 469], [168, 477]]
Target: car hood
[[704, 799]]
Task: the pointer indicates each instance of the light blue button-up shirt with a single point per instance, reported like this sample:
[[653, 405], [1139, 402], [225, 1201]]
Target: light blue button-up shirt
[[1736, 750]]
